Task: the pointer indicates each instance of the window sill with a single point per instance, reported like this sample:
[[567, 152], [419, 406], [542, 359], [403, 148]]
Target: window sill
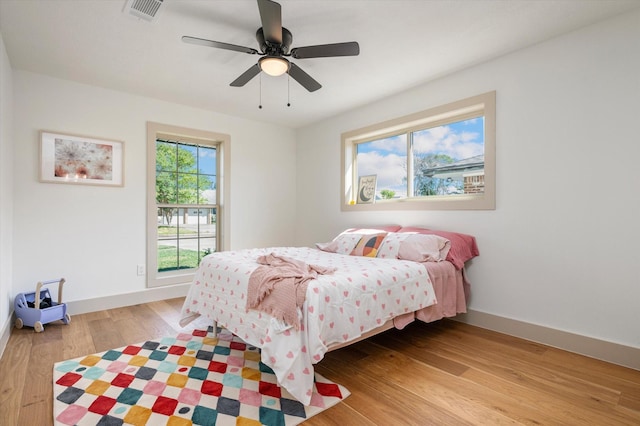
[[461, 202]]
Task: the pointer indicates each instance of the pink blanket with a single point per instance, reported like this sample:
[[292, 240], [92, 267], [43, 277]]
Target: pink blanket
[[279, 287]]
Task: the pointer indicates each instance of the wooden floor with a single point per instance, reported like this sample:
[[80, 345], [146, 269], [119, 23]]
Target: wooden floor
[[445, 373]]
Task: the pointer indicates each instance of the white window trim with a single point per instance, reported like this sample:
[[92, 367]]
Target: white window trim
[[165, 131], [455, 111]]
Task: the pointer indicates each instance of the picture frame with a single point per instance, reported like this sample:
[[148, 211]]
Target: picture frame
[[74, 159], [366, 189]]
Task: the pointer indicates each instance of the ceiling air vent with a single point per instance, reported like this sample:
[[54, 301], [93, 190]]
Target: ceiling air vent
[[143, 9]]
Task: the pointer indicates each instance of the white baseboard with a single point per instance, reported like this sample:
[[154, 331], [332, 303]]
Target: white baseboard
[[107, 302], [119, 300], [5, 334], [615, 353]]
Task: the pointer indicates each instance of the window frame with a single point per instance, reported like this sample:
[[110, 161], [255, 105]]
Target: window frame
[[197, 137], [480, 105]]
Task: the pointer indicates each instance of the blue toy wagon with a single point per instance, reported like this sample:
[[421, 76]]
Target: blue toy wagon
[[37, 308]]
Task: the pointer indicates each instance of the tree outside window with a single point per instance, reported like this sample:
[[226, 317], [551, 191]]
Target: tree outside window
[[186, 203]]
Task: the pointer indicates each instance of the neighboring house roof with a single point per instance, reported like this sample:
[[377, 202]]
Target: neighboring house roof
[[459, 168]]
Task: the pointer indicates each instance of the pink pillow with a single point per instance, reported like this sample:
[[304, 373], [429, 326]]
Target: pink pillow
[[463, 246], [424, 248]]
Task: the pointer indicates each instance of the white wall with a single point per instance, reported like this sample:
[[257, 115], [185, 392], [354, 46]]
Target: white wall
[[561, 248], [6, 194], [94, 236]]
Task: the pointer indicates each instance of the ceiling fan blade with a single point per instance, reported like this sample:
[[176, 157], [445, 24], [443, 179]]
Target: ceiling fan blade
[[246, 76], [351, 48], [303, 78], [219, 45], [271, 16]]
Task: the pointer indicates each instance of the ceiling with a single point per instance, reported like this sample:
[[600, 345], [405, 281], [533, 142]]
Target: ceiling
[[402, 44]]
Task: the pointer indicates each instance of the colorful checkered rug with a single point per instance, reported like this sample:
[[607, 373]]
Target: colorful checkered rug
[[191, 379]]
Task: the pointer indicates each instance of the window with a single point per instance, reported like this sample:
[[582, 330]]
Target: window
[[442, 158], [184, 205]]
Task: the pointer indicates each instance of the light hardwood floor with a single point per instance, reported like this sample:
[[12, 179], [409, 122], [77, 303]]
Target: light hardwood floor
[[444, 373]]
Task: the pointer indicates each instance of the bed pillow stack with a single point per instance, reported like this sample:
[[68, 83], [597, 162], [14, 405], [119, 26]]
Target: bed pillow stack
[[463, 246], [405, 243]]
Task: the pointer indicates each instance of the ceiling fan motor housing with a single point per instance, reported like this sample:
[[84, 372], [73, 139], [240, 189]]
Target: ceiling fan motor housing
[[273, 49]]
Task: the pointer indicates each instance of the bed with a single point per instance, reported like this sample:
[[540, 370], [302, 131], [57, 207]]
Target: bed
[[364, 281]]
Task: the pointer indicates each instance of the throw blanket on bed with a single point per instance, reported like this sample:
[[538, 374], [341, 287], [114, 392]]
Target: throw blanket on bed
[[279, 287]]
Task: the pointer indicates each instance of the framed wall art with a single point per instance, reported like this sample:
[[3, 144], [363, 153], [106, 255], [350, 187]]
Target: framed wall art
[[81, 160], [367, 189]]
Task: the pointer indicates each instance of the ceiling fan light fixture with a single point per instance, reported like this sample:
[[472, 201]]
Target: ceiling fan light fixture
[[273, 65]]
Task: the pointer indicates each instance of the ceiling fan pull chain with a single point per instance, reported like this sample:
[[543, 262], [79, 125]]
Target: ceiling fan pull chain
[[288, 90], [260, 105]]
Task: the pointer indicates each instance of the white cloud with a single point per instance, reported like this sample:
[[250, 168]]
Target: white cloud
[[209, 195], [442, 140], [391, 144], [390, 169]]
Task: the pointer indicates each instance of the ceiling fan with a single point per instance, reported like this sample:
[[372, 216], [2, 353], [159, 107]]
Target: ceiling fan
[[274, 41]]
